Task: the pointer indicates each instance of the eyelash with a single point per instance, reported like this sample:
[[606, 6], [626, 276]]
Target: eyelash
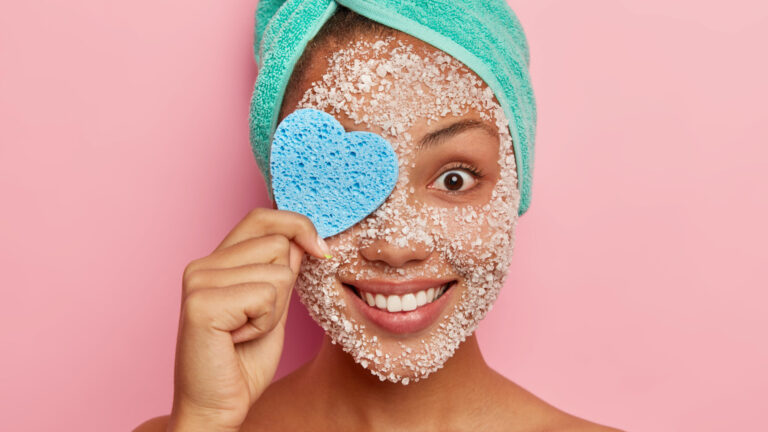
[[469, 168]]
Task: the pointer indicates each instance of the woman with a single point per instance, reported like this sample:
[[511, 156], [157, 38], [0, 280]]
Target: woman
[[399, 294]]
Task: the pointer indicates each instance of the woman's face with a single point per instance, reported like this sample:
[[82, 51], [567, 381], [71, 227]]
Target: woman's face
[[411, 281]]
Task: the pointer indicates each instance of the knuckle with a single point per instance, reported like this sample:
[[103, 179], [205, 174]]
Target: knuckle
[[263, 298], [191, 279], [279, 244], [306, 225], [268, 294], [257, 213], [259, 325], [264, 321], [283, 275], [195, 307], [188, 270]]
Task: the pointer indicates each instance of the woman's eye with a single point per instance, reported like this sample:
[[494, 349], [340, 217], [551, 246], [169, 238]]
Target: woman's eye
[[455, 180]]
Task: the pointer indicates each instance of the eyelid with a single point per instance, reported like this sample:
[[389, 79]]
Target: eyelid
[[460, 166]]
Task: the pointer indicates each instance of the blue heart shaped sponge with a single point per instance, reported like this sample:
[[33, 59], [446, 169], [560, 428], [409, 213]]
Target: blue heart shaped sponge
[[335, 178]]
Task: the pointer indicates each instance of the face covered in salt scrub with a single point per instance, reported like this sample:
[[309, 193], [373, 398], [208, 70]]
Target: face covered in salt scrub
[[450, 218]]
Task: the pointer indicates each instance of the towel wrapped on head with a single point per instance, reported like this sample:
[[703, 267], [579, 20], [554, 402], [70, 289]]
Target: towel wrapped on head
[[485, 35]]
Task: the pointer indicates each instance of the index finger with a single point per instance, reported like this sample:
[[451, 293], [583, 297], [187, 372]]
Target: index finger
[[263, 221]]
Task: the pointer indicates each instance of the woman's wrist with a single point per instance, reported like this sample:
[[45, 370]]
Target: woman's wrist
[[189, 419], [187, 424], [193, 425]]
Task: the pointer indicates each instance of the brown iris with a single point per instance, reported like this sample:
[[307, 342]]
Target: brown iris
[[453, 181]]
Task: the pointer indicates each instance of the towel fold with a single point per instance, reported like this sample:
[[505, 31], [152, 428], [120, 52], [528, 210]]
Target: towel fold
[[485, 35]]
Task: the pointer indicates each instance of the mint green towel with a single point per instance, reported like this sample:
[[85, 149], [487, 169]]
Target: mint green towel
[[485, 35]]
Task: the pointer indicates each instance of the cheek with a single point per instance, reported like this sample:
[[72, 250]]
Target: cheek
[[345, 247], [479, 240], [471, 246]]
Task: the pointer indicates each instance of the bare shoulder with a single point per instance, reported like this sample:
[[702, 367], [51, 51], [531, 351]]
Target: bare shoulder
[[576, 424], [156, 424], [540, 415]]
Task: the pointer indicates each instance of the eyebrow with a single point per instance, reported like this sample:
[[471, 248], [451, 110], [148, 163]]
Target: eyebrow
[[440, 135]]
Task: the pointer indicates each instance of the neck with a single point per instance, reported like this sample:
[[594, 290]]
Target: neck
[[360, 400]]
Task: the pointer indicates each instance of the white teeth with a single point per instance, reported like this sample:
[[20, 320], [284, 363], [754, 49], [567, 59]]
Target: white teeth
[[406, 302], [421, 298], [381, 301], [394, 303], [370, 299], [409, 302]]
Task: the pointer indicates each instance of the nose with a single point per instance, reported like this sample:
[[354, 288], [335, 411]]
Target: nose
[[394, 255]]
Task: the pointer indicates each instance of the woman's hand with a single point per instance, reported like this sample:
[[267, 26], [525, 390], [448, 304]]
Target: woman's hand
[[233, 311]]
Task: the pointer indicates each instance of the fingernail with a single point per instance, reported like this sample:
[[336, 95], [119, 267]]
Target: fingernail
[[324, 247]]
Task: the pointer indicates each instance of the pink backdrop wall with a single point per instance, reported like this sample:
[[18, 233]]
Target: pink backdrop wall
[[638, 287]]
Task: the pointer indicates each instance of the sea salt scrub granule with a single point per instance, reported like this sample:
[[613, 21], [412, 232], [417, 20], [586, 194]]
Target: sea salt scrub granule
[[387, 87]]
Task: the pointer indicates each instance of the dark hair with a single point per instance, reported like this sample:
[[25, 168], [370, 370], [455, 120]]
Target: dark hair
[[343, 26]]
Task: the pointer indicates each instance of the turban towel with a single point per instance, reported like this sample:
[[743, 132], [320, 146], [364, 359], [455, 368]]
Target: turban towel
[[485, 35]]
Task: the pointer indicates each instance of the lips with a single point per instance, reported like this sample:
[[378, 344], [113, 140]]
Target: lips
[[397, 287], [400, 307]]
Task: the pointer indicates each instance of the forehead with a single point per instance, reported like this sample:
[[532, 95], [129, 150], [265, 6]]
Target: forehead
[[388, 84], [362, 47]]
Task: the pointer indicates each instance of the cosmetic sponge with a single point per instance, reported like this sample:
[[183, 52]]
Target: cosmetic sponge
[[335, 178]]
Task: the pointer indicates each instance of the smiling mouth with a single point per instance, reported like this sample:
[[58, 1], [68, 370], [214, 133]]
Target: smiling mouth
[[401, 303]]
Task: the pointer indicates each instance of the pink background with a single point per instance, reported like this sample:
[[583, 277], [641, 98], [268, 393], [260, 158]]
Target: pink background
[[638, 289]]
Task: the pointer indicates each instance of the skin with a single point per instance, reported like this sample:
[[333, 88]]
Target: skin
[[332, 392], [441, 240]]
